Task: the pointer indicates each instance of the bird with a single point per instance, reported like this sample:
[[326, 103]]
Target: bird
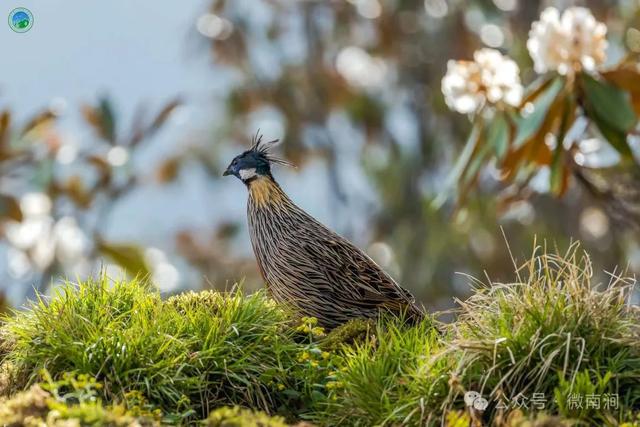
[[305, 264]]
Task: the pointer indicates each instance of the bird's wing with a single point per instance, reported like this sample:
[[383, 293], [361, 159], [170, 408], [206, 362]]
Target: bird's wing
[[353, 275]]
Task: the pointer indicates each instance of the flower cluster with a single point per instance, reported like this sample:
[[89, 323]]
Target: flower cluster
[[566, 43], [490, 78], [309, 325]]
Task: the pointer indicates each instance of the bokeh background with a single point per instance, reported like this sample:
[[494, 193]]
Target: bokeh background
[[119, 117]]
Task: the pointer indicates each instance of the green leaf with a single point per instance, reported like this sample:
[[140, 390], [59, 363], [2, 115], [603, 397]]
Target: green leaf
[[608, 107], [617, 139], [467, 152], [461, 164], [557, 170], [108, 119], [129, 257], [477, 160], [559, 178], [536, 88], [529, 125], [498, 135], [628, 79], [610, 104]]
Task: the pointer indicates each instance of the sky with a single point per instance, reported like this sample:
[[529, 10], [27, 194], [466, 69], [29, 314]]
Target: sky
[[136, 51]]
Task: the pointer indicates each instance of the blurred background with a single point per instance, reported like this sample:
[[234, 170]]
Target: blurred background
[[118, 119]]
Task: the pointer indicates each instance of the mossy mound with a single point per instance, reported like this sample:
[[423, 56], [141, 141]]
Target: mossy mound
[[188, 355]]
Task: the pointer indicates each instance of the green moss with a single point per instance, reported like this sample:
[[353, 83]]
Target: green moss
[[190, 300], [353, 332], [46, 404], [238, 417]]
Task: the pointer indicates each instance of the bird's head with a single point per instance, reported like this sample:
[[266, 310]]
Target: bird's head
[[255, 162]]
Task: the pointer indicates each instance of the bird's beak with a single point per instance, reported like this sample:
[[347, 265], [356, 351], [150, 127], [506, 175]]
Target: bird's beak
[[227, 172]]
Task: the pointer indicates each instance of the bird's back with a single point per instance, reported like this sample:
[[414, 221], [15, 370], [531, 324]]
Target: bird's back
[[314, 269]]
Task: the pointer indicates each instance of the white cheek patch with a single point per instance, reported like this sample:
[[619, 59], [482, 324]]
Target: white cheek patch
[[246, 174]]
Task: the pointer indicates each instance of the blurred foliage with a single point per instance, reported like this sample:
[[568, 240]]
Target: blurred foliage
[[31, 153]]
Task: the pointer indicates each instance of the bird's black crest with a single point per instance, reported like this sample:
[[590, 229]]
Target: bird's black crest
[[263, 148]]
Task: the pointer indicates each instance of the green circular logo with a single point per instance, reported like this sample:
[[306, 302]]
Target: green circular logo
[[20, 20]]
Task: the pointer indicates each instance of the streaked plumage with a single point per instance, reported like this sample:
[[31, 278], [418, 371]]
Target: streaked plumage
[[303, 262]]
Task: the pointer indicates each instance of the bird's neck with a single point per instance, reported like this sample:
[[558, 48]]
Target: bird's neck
[[264, 191]]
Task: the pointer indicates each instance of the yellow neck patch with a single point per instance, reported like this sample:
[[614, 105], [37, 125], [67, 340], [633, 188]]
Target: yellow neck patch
[[265, 191]]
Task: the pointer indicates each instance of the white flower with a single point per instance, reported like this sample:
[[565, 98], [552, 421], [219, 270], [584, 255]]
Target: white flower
[[163, 274], [491, 77], [572, 42], [500, 76], [41, 239], [359, 68]]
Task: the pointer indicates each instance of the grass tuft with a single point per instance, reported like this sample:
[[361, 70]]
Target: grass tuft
[[555, 334], [389, 379]]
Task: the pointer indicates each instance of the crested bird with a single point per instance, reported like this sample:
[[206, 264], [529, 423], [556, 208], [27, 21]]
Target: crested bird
[[304, 263]]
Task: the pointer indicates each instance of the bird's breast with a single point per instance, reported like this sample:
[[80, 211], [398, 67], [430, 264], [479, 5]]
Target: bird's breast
[[264, 192]]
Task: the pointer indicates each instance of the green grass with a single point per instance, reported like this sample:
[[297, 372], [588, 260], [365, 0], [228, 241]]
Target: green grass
[[389, 379], [116, 352], [187, 355]]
